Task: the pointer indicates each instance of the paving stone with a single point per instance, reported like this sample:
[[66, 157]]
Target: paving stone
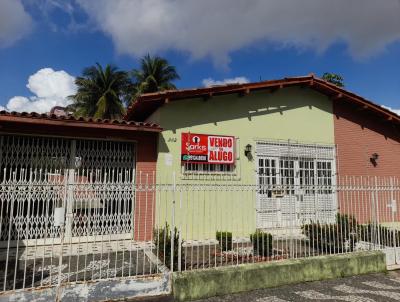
[[366, 288]]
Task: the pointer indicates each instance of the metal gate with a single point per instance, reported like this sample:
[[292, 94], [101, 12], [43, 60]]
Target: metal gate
[[66, 208], [295, 184]]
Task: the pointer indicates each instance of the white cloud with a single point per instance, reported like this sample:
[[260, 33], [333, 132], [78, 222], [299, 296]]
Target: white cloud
[[397, 111], [216, 28], [15, 23], [50, 88], [47, 83], [238, 80]]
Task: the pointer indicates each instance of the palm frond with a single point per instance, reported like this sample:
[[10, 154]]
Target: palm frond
[[155, 74], [101, 92]]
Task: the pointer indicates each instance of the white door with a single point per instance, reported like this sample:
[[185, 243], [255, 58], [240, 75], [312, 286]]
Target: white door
[[294, 191], [276, 202]]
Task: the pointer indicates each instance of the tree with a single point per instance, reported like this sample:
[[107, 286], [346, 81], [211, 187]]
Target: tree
[[101, 92], [155, 74], [333, 78]]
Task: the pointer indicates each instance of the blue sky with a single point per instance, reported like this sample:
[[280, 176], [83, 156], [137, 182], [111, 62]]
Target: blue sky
[[204, 39]]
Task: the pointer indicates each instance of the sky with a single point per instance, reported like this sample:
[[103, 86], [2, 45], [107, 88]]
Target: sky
[[45, 44]]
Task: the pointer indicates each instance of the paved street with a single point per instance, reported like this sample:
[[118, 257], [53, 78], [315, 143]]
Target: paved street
[[368, 288]]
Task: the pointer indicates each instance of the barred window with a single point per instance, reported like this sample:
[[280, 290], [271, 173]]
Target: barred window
[[307, 175], [267, 175], [287, 175], [324, 177]]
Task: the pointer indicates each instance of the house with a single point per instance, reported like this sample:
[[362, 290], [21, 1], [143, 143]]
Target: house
[[81, 168], [293, 134], [85, 199], [285, 146]]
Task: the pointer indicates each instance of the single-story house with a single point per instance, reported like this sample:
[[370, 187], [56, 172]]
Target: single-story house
[[292, 132], [262, 155]]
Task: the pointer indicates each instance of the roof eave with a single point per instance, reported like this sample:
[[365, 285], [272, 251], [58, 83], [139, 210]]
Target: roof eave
[[310, 81], [76, 124]]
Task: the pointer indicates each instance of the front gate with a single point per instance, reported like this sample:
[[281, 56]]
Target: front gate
[[67, 211]]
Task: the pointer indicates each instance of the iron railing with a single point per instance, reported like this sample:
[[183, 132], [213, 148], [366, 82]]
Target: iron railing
[[62, 226]]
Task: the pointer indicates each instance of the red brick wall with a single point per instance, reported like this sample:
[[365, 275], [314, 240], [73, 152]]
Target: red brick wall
[[358, 135], [146, 162]]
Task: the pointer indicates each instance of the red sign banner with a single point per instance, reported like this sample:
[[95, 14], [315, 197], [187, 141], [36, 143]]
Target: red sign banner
[[207, 149]]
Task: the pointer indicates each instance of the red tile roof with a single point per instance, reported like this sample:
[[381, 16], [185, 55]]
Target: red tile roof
[[70, 120], [146, 104]]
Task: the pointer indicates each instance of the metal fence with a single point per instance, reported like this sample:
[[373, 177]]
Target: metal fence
[[73, 225], [219, 225], [64, 226]]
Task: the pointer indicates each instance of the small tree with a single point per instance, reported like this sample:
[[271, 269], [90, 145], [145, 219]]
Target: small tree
[[162, 241], [262, 243], [379, 234], [335, 237], [225, 240], [333, 78]]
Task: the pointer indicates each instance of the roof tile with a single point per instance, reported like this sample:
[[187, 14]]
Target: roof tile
[[71, 118]]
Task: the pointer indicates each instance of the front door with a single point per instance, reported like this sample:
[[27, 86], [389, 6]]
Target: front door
[[294, 190], [277, 202]]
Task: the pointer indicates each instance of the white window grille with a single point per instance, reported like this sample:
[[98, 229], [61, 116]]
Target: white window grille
[[290, 176]]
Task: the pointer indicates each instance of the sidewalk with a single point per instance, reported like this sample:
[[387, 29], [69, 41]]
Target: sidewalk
[[366, 288]]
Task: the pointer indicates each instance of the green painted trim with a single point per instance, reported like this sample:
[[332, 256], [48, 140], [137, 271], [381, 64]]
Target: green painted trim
[[202, 284]]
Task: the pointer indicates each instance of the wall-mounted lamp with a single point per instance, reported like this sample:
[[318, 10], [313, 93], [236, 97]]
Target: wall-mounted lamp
[[374, 159], [247, 152]]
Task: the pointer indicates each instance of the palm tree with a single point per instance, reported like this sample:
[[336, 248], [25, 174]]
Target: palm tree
[[100, 92], [155, 74]]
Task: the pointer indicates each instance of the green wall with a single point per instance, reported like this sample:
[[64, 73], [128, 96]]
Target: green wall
[[299, 114]]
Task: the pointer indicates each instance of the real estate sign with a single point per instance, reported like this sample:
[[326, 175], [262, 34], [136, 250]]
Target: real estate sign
[[208, 149]]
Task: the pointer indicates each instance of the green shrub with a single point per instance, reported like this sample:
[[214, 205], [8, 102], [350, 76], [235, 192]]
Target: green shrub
[[379, 234], [262, 243], [333, 238], [225, 240], [162, 241]]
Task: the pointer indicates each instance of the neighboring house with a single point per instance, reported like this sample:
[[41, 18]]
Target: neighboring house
[[298, 132], [84, 167]]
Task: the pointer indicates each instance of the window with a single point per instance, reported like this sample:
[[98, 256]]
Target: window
[[324, 177], [267, 175], [208, 168], [286, 173], [278, 177], [307, 175]]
